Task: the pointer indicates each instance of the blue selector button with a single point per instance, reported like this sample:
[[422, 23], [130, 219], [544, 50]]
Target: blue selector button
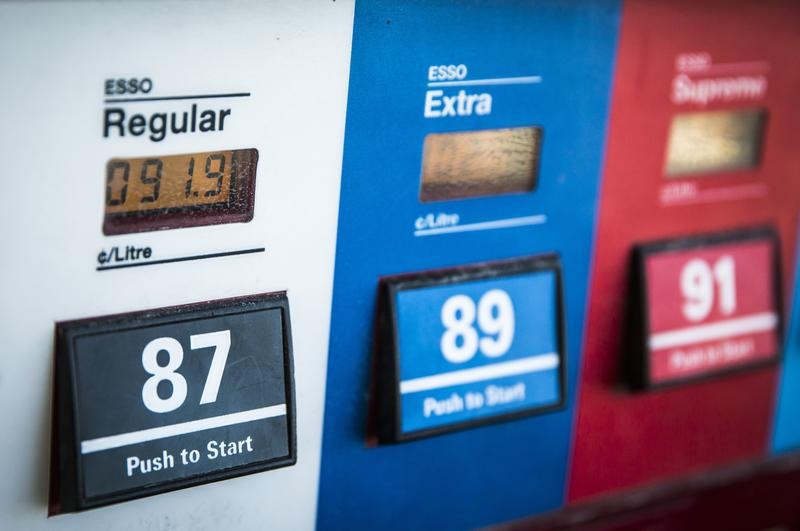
[[467, 346]]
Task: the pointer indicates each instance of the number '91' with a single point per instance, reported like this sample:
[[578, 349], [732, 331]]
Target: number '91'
[[697, 280]]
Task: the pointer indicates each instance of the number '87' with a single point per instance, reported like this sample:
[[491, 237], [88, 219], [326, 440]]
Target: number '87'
[[221, 341], [461, 340]]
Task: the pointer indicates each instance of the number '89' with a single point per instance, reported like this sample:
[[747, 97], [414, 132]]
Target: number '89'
[[486, 326]]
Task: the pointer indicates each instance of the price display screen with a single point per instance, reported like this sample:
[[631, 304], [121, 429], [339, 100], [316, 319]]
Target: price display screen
[[714, 141], [711, 305], [165, 192], [480, 163], [170, 398], [469, 346]]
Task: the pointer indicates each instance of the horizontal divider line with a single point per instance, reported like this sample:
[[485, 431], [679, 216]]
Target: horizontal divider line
[[182, 428], [522, 80], [485, 225], [538, 363], [759, 322], [168, 98], [751, 67], [184, 258]]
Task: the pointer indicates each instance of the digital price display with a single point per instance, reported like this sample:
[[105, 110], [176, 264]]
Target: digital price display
[[714, 141], [480, 163], [471, 345], [705, 305], [154, 193], [158, 400]]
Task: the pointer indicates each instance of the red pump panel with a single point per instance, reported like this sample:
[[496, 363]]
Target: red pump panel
[[701, 142]]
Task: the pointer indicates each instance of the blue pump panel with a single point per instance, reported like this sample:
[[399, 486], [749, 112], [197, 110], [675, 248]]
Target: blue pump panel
[[787, 418], [474, 134]]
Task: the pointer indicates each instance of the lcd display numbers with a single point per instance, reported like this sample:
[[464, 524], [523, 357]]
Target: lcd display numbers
[[157, 400], [705, 305], [710, 142], [480, 163], [471, 345], [166, 192]]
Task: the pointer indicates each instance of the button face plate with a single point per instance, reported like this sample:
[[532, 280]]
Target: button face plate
[[172, 398], [707, 305], [470, 345]]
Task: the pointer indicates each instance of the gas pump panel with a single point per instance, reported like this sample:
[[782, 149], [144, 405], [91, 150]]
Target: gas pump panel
[[786, 432], [173, 171], [538, 257], [472, 158], [699, 173]]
